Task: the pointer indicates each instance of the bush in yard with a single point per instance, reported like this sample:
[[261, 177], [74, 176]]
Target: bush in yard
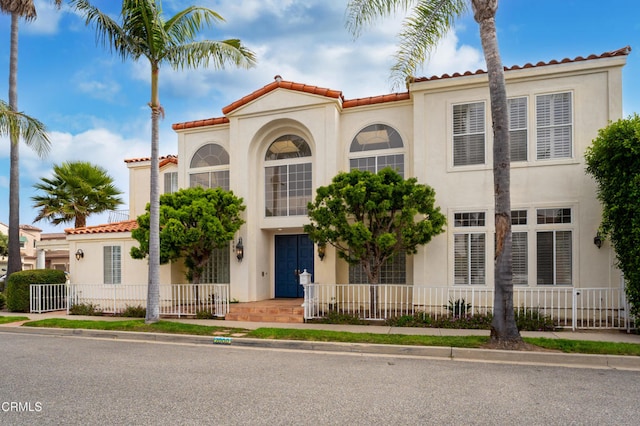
[[17, 291], [86, 309], [533, 320], [2, 301], [202, 314], [134, 312]]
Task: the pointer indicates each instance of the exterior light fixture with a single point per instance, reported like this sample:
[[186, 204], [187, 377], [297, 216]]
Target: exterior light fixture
[[239, 250], [322, 251], [597, 240], [79, 254]]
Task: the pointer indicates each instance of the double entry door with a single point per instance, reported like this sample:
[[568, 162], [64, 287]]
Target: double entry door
[[294, 254]]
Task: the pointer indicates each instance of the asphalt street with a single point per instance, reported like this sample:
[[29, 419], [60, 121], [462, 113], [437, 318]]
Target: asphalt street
[[77, 380]]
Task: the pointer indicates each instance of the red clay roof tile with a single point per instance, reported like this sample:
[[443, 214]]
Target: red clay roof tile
[[619, 52], [393, 97], [124, 226], [165, 159]]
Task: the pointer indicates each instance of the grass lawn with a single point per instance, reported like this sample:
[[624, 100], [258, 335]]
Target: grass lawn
[[138, 325], [7, 320]]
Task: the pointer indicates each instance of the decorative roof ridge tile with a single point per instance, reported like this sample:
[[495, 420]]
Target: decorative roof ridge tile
[[371, 100], [283, 84], [165, 158], [618, 52], [124, 226]]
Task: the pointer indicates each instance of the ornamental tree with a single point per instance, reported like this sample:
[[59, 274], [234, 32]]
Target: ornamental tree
[[193, 222], [613, 160], [370, 218]]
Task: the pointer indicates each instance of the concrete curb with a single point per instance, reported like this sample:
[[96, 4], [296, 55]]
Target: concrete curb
[[438, 352]]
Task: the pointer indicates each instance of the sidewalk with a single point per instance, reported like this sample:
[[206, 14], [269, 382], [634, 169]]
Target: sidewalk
[[592, 335], [451, 353]]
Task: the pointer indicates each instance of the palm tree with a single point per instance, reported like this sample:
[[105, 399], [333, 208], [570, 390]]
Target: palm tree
[[76, 190], [429, 21], [17, 9], [145, 32], [16, 125]]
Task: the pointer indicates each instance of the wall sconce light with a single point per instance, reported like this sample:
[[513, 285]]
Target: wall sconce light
[[322, 251], [79, 254], [597, 240], [239, 250]]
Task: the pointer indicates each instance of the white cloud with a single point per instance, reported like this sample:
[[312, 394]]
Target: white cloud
[[47, 21]]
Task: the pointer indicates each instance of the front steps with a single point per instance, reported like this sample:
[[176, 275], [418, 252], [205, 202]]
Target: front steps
[[274, 310]]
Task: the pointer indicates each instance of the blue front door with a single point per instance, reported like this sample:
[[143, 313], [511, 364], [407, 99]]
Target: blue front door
[[294, 254]]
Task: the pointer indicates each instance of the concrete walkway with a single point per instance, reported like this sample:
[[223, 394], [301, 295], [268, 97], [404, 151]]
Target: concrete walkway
[[458, 354]]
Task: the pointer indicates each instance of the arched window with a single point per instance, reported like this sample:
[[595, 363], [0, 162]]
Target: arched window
[[287, 186], [375, 147], [212, 164]]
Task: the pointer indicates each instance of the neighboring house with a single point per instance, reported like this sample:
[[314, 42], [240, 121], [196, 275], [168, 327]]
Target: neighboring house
[[53, 252], [275, 146], [29, 237], [100, 254]]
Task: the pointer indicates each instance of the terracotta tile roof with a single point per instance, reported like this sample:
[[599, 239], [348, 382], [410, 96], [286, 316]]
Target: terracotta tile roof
[[619, 52], [200, 123], [280, 83], [124, 226], [393, 97], [163, 160]]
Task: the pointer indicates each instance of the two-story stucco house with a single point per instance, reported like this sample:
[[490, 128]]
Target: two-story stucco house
[[275, 146]]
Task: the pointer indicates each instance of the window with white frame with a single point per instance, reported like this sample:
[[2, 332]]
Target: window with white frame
[[375, 147], [112, 264], [469, 242], [554, 248], [518, 128], [519, 247], [288, 178], [209, 167], [554, 126], [468, 134], [216, 270], [170, 182]]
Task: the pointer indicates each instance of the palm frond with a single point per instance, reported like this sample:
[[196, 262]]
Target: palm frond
[[18, 125], [218, 54], [361, 13], [428, 23]]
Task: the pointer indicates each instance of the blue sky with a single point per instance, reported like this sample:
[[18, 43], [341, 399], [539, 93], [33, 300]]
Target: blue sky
[[95, 106]]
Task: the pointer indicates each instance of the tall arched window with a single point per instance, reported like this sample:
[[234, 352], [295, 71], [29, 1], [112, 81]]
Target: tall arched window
[[210, 167], [375, 147], [287, 183]]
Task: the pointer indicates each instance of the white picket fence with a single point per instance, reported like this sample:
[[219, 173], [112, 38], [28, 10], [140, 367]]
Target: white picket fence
[[575, 308], [176, 300]]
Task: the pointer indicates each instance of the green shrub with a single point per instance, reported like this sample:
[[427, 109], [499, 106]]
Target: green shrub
[[2, 301], [459, 308], [87, 309], [134, 312], [17, 292], [202, 314], [333, 317], [533, 320]]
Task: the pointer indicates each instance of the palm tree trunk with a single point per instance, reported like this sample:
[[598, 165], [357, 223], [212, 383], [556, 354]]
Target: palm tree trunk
[[14, 262], [153, 289], [504, 331]]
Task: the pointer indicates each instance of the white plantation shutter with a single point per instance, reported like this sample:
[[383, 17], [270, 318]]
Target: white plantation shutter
[[469, 259], [518, 128], [111, 265], [468, 134], [519, 254], [554, 126], [554, 258]]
